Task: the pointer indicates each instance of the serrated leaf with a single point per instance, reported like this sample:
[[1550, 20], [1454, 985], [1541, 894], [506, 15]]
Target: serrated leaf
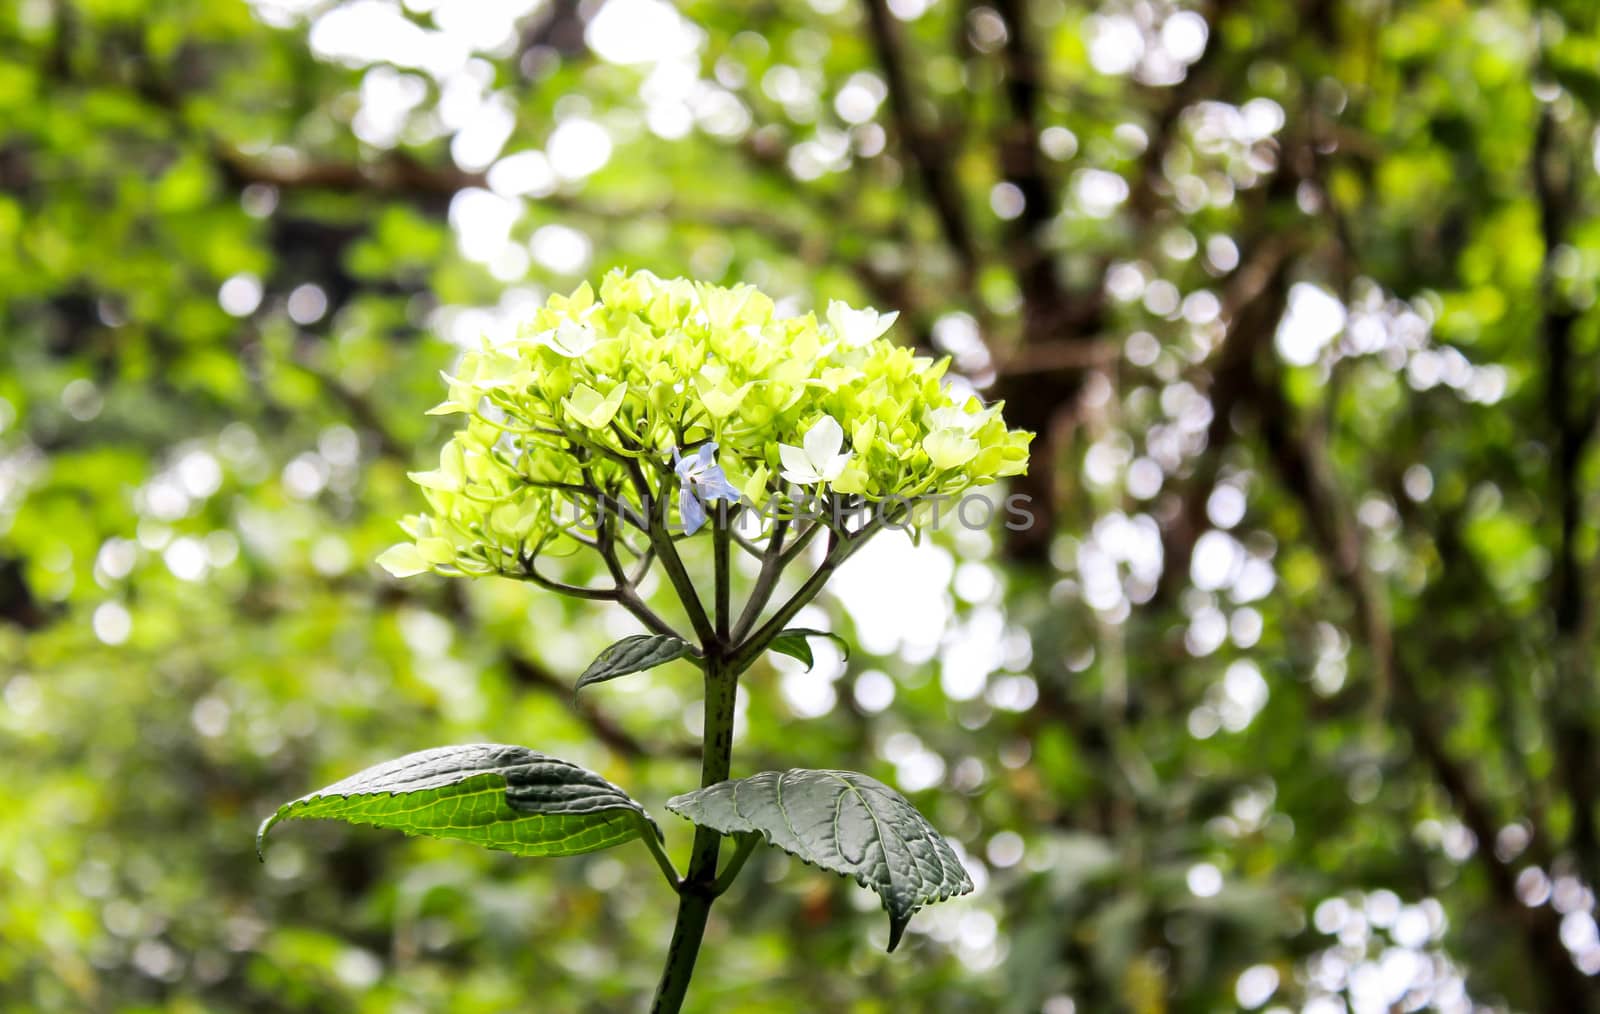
[[500, 797], [634, 653], [794, 643], [842, 821]]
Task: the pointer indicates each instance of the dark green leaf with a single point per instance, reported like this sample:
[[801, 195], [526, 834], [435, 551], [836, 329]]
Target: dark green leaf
[[841, 821], [501, 797], [793, 642], [634, 653]]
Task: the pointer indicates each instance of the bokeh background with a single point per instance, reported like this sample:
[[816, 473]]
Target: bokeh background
[[1288, 703]]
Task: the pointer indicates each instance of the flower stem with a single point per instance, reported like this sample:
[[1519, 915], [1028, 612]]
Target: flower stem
[[766, 581], [730, 872], [667, 553], [699, 886], [721, 539], [839, 550], [724, 662]]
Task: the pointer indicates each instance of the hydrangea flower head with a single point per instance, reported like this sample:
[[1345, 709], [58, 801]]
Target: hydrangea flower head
[[599, 390]]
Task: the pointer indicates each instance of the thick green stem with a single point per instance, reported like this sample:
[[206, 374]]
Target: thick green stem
[[724, 662], [699, 887]]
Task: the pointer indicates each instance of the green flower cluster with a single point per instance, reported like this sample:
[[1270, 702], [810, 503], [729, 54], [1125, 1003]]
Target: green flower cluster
[[594, 400]]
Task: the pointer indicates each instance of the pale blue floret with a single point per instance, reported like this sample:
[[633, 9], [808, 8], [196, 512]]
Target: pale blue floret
[[701, 481]]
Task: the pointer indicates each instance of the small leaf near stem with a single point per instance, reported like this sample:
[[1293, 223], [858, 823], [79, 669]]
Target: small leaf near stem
[[794, 643], [634, 653]]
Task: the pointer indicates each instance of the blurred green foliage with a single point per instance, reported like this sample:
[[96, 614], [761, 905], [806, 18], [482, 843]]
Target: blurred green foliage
[[1289, 699]]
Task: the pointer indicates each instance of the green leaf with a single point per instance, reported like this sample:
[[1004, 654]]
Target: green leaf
[[793, 642], [841, 821], [501, 797], [634, 653]]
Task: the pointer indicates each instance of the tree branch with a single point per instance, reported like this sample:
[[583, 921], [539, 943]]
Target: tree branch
[[928, 153], [395, 175], [1253, 303], [1302, 464], [1569, 435]]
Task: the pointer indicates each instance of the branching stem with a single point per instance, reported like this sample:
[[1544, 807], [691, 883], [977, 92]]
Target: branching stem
[[766, 581], [730, 873], [728, 653], [662, 859]]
